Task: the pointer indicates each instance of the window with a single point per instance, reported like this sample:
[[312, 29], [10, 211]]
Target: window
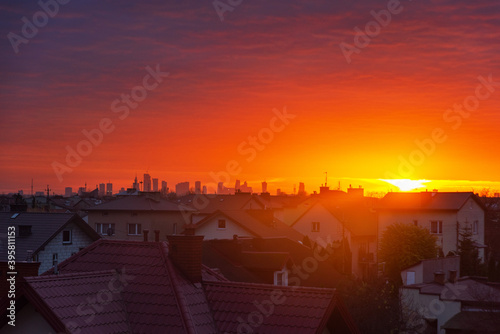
[[105, 229], [475, 227], [436, 227], [315, 226], [410, 277], [36, 258], [221, 224], [54, 259], [281, 278], [415, 222], [67, 237], [134, 229]]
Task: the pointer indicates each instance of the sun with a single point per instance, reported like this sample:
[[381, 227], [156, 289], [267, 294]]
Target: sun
[[406, 184]]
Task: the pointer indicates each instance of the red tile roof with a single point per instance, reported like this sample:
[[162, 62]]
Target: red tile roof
[[155, 297]]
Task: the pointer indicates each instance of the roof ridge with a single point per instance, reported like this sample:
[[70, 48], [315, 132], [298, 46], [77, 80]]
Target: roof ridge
[[71, 274], [273, 287]]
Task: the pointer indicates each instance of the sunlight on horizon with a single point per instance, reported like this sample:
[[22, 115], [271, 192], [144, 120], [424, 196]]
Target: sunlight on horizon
[[406, 184]]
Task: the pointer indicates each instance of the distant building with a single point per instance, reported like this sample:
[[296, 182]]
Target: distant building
[[204, 191], [147, 182], [155, 184], [102, 189], [237, 185], [68, 192], [244, 188], [136, 184], [302, 188], [164, 188], [197, 187], [109, 189], [264, 187], [182, 188]]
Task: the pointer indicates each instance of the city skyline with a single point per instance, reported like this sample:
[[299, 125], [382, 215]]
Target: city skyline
[[367, 91]]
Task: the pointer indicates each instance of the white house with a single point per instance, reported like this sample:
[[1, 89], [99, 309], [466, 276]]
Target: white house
[[445, 214]]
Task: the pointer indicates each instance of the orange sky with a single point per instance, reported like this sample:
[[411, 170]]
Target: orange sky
[[355, 120]]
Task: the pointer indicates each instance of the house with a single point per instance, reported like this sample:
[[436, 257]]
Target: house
[[455, 306], [244, 223], [278, 261], [118, 286], [47, 238], [125, 218], [445, 214], [350, 218], [424, 270]]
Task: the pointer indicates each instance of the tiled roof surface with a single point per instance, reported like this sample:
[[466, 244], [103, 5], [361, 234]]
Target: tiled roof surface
[[474, 322], [232, 302], [426, 200], [140, 203], [73, 305], [153, 288], [44, 226]]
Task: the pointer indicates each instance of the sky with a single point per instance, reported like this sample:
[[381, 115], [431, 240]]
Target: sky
[[279, 91]]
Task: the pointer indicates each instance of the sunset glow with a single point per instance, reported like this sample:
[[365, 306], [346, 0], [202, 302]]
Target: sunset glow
[[403, 109]]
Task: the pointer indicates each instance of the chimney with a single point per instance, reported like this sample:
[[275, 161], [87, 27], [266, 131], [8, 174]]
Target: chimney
[[439, 277], [29, 255], [189, 229], [453, 276], [157, 235], [146, 232], [185, 252]]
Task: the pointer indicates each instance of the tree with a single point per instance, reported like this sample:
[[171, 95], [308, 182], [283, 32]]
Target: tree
[[470, 263], [402, 245]]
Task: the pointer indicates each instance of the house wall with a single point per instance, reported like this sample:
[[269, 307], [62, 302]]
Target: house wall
[[28, 320], [418, 306], [211, 231], [149, 220], [448, 239], [79, 240]]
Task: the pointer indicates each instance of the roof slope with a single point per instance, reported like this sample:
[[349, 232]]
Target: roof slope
[[261, 223], [44, 227], [152, 286], [140, 203], [426, 200], [233, 303]]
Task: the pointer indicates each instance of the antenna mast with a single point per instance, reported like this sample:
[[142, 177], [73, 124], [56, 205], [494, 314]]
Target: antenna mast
[[326, 179]]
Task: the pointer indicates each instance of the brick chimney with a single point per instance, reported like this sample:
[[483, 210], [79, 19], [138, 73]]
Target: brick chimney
[[157, 235], [453, 276], [145, 232], [439, 277], [185, 252]]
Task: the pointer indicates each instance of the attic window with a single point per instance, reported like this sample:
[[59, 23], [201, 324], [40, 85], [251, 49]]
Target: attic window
[[24, 230], [281, 278], [221, 224], [436, 227], [67, 237]]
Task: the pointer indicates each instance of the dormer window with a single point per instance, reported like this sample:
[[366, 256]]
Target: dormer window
[[67, 237], [281, 278], [24, 230], [221, 224]]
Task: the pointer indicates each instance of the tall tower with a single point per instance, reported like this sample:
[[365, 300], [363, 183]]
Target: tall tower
[[264, 187], [147, 182], [155, 184]]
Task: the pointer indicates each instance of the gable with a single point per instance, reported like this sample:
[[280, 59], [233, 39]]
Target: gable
[[211, 230]]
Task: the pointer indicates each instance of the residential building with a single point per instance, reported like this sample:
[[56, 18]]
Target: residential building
[[125, 218], [445, 214], [102, 190], [48, 238], [155, 287], [155, 184]]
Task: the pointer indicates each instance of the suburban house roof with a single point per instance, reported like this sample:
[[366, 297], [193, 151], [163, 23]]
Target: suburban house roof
[[427, 201], [140, 203], [357, 214], [155, 296], [44, 227], [228, 256], [260, 223], [210, 203], [473, 322]]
